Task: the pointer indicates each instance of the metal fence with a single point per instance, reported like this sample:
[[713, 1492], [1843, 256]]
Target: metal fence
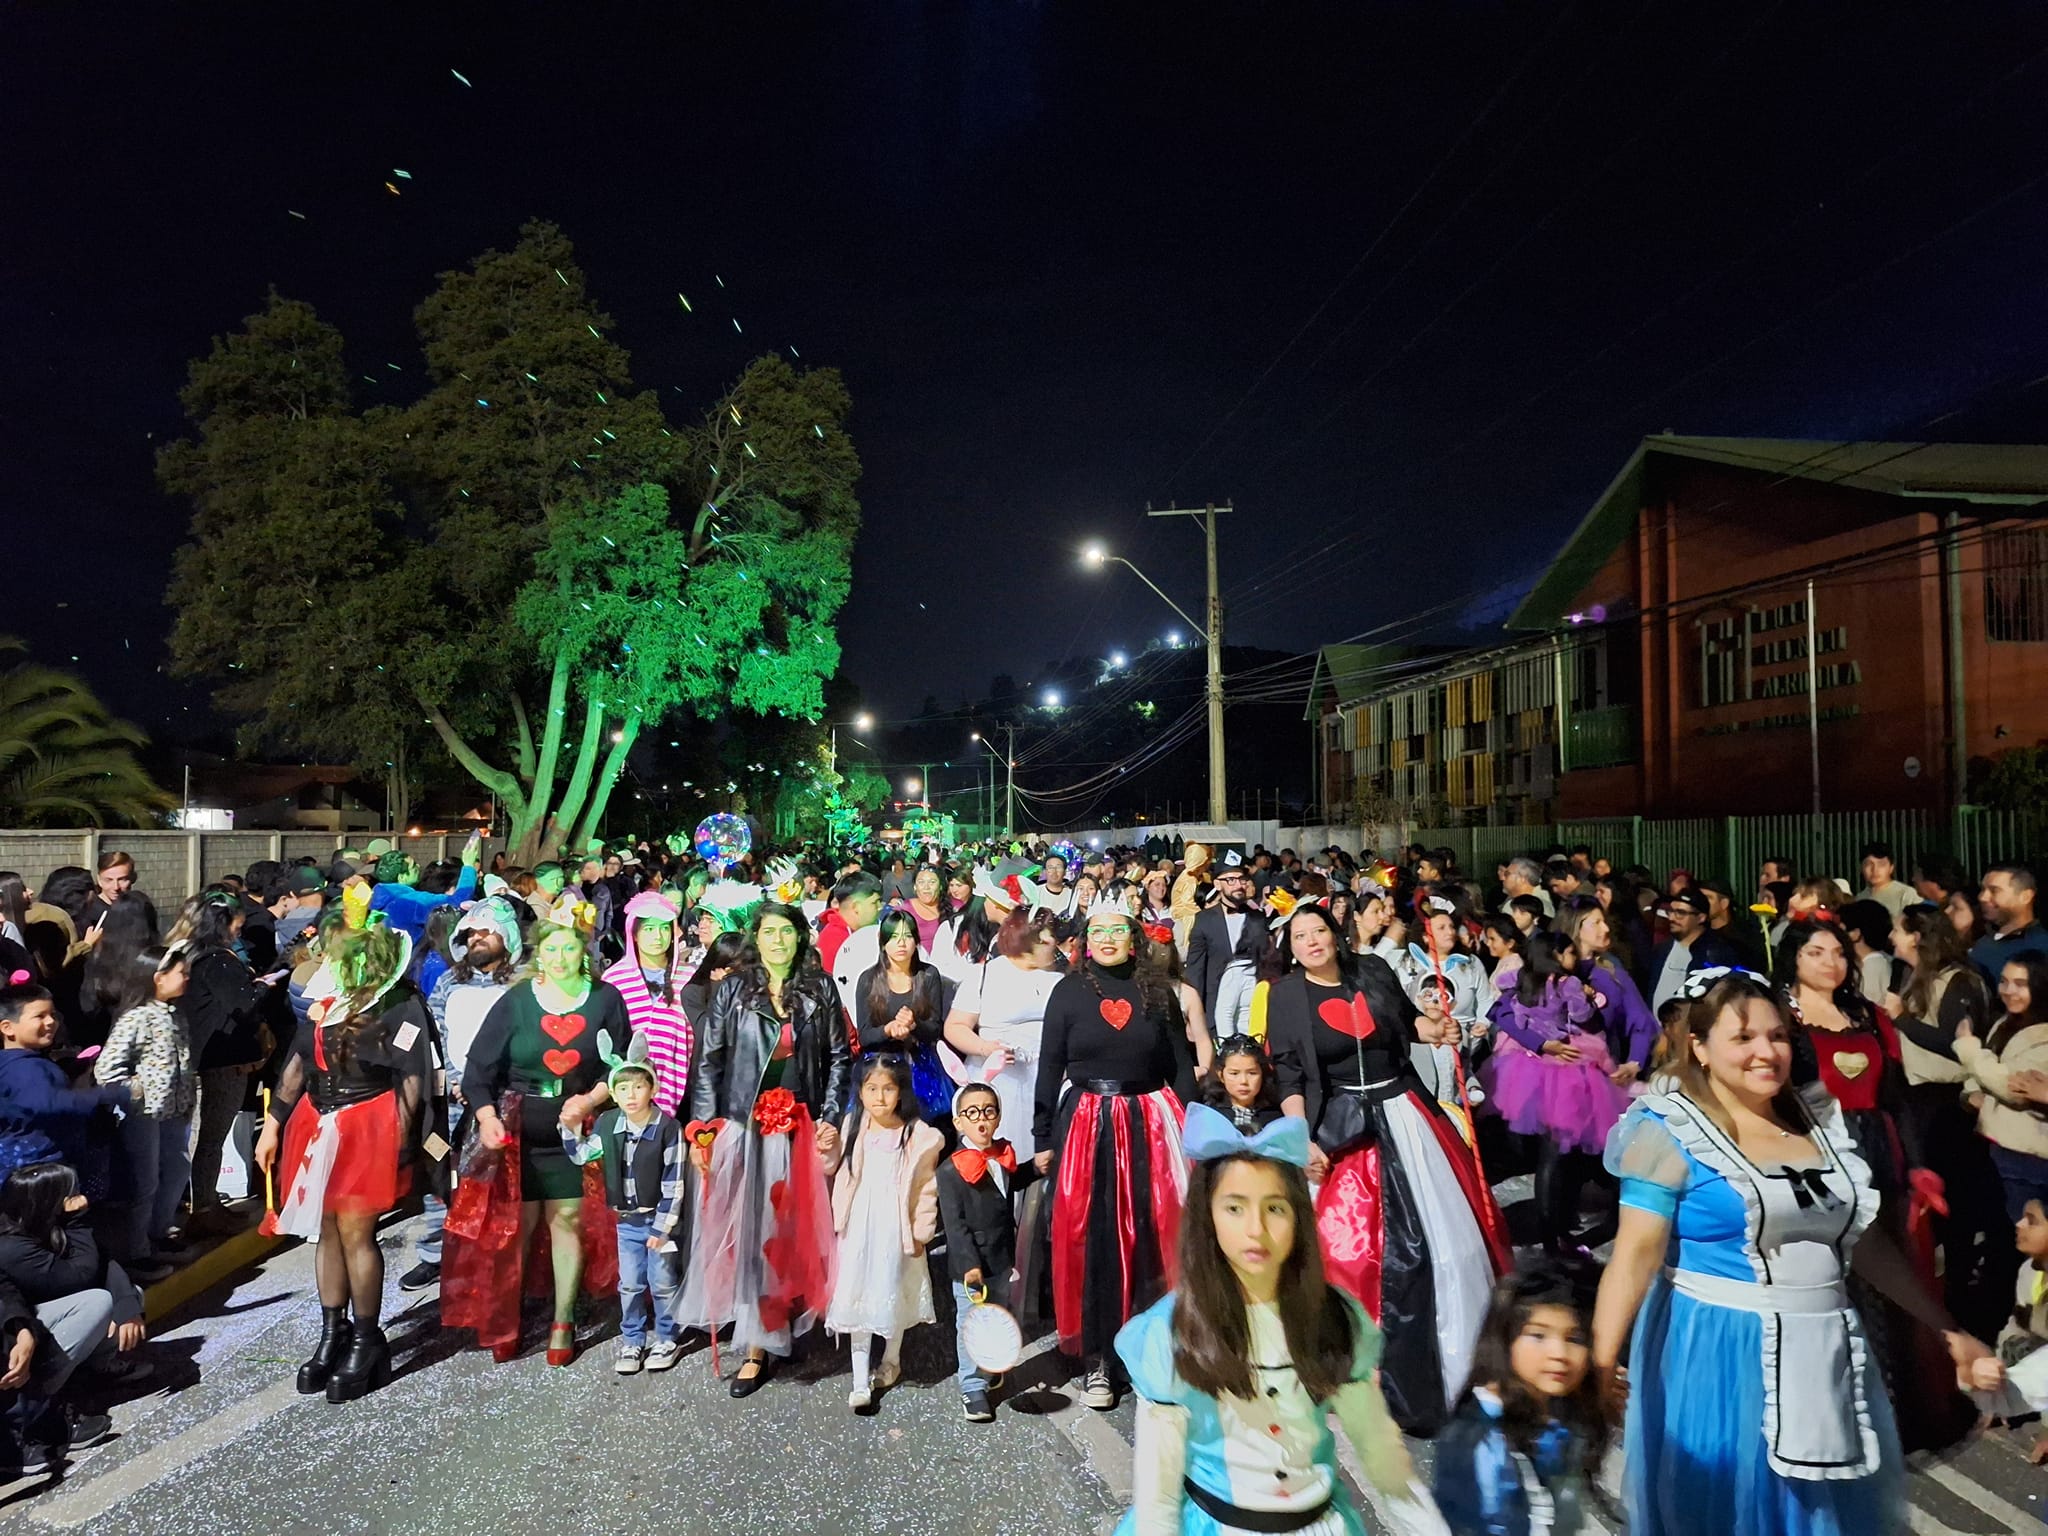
[[172, 865], [1732, 847]]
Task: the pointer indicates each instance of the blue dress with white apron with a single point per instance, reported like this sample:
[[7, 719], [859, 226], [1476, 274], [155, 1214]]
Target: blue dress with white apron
[[1755, 1408]]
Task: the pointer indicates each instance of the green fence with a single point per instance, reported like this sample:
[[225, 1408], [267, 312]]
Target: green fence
[[1732, 847]]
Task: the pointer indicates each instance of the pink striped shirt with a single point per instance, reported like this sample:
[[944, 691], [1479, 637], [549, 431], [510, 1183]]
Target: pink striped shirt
[[662, 1025]]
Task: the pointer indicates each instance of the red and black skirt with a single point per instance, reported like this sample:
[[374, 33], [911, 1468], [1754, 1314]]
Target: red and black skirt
[[1120, 1178], [342, 1163], [1409, 1227]]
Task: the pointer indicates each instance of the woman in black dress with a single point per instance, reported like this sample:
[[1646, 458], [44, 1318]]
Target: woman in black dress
[[1408, 1225], [535, 1066], [1114, 1033]]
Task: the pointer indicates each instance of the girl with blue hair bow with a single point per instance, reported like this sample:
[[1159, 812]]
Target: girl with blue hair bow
[[1238, 1370]]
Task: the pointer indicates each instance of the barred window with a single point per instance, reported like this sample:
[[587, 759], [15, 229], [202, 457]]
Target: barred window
[[2016, 584]]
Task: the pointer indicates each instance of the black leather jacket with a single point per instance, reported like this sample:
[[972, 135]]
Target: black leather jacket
[[738, 1036]]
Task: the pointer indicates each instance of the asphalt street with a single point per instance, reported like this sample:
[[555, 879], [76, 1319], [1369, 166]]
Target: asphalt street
[[220, 1444]]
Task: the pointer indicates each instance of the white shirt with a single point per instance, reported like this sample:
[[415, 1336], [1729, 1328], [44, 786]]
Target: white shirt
[[1061, 904], [1233, 924]]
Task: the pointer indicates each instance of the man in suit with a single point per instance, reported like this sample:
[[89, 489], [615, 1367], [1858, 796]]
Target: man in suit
[[1228, 929]]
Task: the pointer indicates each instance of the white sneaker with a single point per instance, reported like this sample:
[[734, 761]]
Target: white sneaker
[[665, 1353], [860, 1400], [631, 1357]]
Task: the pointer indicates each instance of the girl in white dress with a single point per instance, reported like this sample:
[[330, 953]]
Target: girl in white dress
[[885, 1207]]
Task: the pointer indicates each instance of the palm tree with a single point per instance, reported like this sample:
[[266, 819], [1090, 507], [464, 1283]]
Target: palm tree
[[64, 761]]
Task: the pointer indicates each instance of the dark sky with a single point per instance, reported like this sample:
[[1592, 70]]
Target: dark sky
[[1060, 252]]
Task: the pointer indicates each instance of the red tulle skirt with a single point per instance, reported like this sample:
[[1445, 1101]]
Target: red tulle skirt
[[1121, 1180], [339, 1164], [481, 1267]]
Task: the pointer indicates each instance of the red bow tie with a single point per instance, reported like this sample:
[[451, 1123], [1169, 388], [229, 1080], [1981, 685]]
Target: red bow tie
[[973, 1164]]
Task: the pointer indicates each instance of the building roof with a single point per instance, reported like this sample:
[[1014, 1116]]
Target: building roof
[[1991, 474], [1353, 671]]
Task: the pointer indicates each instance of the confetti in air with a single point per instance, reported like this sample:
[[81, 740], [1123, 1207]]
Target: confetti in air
[[794, 353], [392, 188], [295, 213], [561, 279], [736, 326], [458, 74], [593, 330], [720, 281], [686, 305], [401, 175]]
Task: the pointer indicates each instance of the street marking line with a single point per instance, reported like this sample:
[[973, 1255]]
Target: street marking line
[[2017, 1520], [208, 1270], [92, 1499]]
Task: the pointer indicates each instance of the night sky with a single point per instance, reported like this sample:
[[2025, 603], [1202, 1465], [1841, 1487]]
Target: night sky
[[1406, 282]]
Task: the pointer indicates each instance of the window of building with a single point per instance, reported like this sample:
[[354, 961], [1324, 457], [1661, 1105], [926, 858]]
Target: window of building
[[1720, 662], [2016, 584]]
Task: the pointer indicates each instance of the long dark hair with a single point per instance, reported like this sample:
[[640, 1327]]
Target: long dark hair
[[2010, 1024], [124, 933], [1941, 951], [897, 1065], [70, 888], [135, 983], [1736, 990], [927, 991], [1283, 948], [32, 1204], [1785, 973], [805, 963], [1541, 965], [1523, 1415], [1212, 1334], [207, 921], [726, 952], [14, 901]]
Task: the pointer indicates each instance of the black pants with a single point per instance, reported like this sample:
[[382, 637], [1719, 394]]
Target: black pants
[[1560, 1178]]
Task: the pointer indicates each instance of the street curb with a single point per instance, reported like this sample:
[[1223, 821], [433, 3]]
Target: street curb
[[211, 1267]]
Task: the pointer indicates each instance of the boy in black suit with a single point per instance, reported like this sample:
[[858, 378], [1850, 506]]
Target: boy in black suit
[[977, 1206]]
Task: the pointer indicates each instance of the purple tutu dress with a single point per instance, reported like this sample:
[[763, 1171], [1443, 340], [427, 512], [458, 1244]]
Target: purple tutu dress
[[1572, 1102]]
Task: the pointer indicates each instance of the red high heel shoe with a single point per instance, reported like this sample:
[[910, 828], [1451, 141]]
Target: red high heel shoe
[[561, 1354]]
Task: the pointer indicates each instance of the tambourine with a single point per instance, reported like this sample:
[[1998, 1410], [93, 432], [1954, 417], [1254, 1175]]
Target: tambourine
[[991, 1337]]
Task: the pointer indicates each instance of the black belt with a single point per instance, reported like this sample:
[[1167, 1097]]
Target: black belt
[[1231, 1516], [1116, 1088], [1381, 1088]]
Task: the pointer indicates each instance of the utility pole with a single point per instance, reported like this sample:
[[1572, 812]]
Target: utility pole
[[1010, 799], [1219, 802]]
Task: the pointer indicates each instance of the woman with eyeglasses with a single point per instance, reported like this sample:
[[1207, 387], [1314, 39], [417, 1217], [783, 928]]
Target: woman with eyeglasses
[[1114, 1070]]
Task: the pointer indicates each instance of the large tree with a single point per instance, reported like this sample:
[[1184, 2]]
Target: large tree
[[535, 565]]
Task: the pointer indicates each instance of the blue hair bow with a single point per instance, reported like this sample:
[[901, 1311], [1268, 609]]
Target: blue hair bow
[[1206, 1134]]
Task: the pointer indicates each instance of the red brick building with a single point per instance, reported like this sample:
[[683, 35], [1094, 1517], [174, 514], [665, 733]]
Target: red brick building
[[1929, 572]]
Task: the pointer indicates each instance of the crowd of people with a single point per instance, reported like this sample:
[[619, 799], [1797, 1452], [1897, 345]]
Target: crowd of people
[[1228, 1126]]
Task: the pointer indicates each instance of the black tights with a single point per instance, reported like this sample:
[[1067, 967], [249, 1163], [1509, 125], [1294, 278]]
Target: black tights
[[1559, 1178]]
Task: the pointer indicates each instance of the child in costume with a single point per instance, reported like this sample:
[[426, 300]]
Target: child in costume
[[885, 1208], [2020, 1342], [1523, 1447], [978, 1207], [641, 1149], [1237, 1370], [1241, 1086]]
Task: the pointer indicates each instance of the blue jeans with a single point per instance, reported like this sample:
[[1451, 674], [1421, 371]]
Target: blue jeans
[[971, 1379], [641, 1271], [160, 1164], [428, 1249]]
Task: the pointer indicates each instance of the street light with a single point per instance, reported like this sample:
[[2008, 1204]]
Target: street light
[[860, 722], [911, 786], [1010, 764], [1116, 658], [1052, 698], [1096, 556]]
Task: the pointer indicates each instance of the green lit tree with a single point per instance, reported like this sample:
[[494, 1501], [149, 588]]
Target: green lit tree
[[502, 562]]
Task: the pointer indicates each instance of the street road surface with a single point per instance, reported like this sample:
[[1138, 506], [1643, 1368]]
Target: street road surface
[[460, 1446]]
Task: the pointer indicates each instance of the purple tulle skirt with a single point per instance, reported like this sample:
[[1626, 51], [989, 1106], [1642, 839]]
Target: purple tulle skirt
[[1571, 1102]]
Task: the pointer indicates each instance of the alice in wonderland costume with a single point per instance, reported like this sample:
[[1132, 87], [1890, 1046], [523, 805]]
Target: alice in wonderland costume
[[1755, 1406]]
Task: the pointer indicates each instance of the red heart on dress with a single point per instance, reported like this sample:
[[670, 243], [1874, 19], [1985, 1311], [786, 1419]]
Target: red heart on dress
[[561, 1063], [561, 1027], [1116, 1012], [1353, 1018]]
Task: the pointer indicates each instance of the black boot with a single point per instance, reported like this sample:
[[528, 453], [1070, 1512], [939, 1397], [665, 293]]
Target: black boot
[[367, 1367], [335, 1338]]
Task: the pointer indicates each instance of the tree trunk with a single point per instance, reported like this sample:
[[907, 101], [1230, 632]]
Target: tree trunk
[[614, 765], [587, 753]]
